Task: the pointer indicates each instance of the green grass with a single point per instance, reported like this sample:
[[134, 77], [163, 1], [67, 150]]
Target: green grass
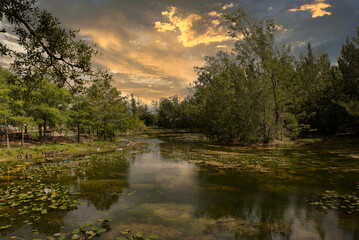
[[66, 148]]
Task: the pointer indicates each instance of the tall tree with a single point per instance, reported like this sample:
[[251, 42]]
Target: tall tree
[[110, 113], [230, 100], [274, 67], [348, 62], [49, 107], [5, 103], [316, 102], [80, 114]]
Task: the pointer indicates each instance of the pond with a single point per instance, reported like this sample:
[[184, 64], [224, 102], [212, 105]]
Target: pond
[[314, 195]]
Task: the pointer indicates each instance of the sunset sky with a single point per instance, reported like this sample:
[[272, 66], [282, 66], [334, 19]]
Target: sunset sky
[[151, 46]]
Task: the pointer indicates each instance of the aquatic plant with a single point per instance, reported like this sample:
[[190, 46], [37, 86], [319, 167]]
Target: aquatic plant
[[137, 236], [348, 203]]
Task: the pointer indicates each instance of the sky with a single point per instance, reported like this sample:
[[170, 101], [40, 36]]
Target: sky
[[152, 46]]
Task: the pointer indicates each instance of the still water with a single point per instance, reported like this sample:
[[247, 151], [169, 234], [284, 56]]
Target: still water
[[176, 199]]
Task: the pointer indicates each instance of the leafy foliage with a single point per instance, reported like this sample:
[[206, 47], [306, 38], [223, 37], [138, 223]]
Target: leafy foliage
[[48, 50]]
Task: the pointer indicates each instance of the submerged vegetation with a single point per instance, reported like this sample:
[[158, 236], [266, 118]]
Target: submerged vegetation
[[348, 203], [37, 194], [243, 161]]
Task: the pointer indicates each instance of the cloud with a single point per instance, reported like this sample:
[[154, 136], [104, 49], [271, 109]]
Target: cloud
[[280, 28], [163, 27], [106, 40], [143, 57], [316, 8], [228, 6], [148, 62], [215, 14], [193, 29]]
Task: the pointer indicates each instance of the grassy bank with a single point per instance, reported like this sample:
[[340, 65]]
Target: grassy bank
[[35, 150]]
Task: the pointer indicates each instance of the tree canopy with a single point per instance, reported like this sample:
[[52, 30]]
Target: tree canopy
[[47, 49]]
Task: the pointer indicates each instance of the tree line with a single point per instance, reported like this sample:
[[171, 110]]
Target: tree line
[[257, 92], [99, 109], [261, 92]]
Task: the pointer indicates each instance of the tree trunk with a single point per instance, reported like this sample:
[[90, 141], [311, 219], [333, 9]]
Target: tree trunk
[[264, 124], [45, 126], [7, 134], [78, 133], [276, 105], [26, 132], [40, 133], [90, 137], [22, 135]]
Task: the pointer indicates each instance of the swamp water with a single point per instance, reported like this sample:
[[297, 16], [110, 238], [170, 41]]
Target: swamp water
[[313, 195]]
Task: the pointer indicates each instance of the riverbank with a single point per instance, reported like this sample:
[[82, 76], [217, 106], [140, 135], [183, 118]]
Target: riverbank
[[59, 147]]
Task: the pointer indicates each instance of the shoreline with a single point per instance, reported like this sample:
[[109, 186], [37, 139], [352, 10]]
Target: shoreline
[[47, 152]]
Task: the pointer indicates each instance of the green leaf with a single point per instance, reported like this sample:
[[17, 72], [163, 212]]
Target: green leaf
[[140, 234], [5, 227], [76, 236], [101, 230], [63, 207], [44, 211], [77, 230]]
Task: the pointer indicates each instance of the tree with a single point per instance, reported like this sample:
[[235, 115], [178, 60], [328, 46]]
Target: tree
[[80, 114], [146, 115], [49, 107], [109, 110], [5, 103], [273, 66], [133, 106], [315, 104], [244, 95], [49, 50], [348, 62], [20, 117], [229, 100]]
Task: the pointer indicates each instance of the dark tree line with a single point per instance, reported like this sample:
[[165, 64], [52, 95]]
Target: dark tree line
[[261, 92]]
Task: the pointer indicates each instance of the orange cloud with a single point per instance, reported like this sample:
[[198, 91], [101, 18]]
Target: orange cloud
[[188, 35], [163, 27], [159, 56], [104, 39], [316, 8], [280, 28], [228, 6], [215, 14]]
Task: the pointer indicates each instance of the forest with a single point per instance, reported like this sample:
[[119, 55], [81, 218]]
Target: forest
[[258, 92]]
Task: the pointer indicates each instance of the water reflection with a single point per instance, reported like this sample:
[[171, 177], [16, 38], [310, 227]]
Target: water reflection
[[175, 199]]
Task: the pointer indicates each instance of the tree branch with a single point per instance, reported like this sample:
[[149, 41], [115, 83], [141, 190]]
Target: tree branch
[[32, 32]]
